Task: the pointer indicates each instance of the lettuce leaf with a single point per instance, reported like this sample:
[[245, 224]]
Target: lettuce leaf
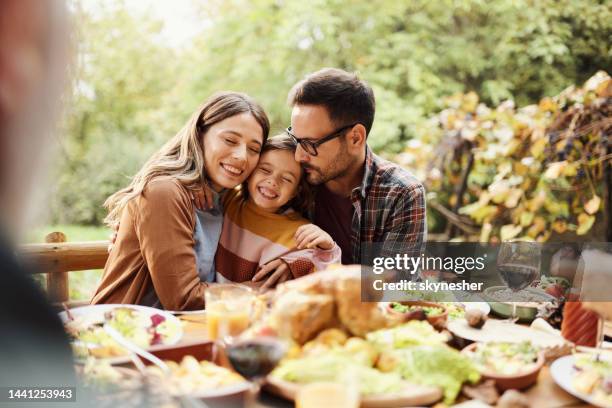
[[339, 367], [437, 365], [410, 334]]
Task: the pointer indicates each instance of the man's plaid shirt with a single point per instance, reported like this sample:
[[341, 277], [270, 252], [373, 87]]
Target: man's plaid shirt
[[388, 208]]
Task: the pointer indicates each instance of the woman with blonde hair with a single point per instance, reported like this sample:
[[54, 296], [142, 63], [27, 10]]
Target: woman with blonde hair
[[164, 250]]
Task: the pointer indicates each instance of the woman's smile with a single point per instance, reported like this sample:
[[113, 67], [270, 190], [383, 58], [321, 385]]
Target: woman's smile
[[232, 170]]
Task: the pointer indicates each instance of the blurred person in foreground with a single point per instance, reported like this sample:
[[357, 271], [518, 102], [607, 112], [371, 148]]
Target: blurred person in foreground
[[34, 350]]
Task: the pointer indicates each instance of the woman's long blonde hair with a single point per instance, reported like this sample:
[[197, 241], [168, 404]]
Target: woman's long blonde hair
[[182, 157]]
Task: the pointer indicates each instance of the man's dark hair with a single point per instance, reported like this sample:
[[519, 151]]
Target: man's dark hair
[[347, 98]]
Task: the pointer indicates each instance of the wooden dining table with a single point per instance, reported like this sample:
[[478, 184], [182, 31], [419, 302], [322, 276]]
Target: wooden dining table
[[544, 394]]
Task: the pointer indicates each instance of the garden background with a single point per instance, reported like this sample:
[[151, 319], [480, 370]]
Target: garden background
[[503, 108]]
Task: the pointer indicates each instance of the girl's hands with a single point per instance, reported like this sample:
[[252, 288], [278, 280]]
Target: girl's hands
[[274, 272], [310, 236]]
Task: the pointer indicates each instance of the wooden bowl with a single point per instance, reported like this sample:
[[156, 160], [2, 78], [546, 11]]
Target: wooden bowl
[[437, 321], [517, 381]]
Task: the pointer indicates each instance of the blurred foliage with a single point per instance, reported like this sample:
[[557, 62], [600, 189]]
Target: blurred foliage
[[527, 173], [132, 91]]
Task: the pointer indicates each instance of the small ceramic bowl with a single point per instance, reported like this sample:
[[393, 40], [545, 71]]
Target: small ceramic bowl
[[437, 321], [516, 381]]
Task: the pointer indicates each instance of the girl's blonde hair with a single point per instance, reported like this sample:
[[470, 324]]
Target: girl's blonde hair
[[303, 202], [182, 157]]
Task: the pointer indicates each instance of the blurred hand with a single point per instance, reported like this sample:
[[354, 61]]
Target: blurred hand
[[310, 236], [274, 272]]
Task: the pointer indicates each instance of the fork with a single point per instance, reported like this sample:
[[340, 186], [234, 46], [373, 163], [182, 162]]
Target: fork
[[186, 401]]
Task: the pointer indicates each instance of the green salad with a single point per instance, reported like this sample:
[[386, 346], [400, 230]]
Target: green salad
[[339, 367], [505, 358], [593, 376], [140, 328], [412, 333], [436, 365], [429, 310]]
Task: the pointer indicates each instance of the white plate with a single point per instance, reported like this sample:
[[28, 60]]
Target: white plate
[[95, 314], [562, 371], [186, 312]]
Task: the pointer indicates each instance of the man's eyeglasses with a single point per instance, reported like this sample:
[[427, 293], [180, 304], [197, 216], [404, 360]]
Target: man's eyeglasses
[[311, 147]]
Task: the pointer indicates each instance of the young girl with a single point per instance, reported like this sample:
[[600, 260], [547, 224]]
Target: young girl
[[262, 221]]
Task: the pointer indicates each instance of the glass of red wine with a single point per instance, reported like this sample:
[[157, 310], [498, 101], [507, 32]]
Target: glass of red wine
[[518, 264], [255, 358]]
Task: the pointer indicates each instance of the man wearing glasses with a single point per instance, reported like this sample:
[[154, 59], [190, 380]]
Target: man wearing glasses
[[360, 198]]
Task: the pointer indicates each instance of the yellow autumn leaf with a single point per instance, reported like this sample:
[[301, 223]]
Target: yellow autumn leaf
[[520, 169], [592, 206], [499, 191], [503, 169], [555, 169], [536, 202], [537, 148], [585, 222], [539, 224], [604, 89], [526, 218], [557, 208], [485, 232], [513, 198], [538, 133], [484, 198], [559, 226], [509, 231], [484, 213], [512, 146], [548, 104], [570, 170]]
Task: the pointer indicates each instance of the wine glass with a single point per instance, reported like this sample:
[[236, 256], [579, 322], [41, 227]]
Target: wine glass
[[255, 358], [518, 264]]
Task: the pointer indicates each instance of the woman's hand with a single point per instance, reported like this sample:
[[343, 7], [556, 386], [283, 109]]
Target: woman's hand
[[310, 236], [202, 198], [277, 271]]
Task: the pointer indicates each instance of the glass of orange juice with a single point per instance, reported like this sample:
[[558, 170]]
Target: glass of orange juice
[[228, 310], [327, 394]]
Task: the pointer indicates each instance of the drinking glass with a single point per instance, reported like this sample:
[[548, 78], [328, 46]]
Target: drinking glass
[[228, 311], [518, 264], [254, 359], [315, 395]]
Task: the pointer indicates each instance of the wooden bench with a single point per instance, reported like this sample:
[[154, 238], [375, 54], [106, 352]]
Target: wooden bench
[[56, 258]]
